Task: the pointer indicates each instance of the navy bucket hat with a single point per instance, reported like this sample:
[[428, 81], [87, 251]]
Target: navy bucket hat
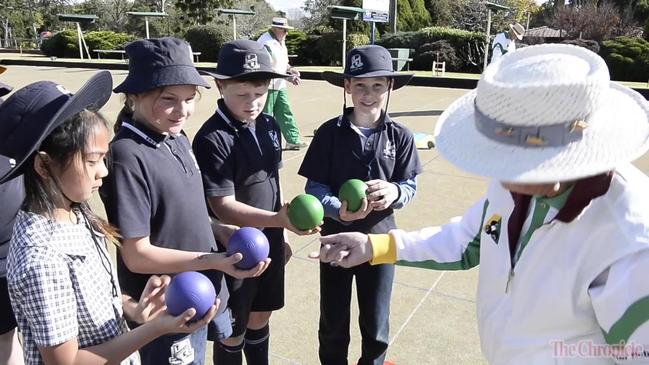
[[30, 114], [243, 59], [159, 62], [368, 61], [4, 88]]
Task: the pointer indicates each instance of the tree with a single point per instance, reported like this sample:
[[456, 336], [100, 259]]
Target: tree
[[440, 11], [589, 21], [317, 13], [250, 26], [200, 11]]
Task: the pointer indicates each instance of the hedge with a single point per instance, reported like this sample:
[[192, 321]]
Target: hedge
[[208, 39], [468, 46], [627, 58], [66, 43]]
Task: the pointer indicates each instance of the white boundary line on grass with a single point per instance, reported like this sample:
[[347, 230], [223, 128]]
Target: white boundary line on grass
[[412, 314]]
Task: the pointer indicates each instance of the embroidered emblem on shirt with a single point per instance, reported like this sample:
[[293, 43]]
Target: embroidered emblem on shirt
[[356, 63], [251, 62], [182, 352], [492, 228], [275, 138], [389, 151]]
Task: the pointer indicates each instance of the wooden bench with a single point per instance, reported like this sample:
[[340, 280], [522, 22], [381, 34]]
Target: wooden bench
[[122, 53], [110, 51], [408, 60]]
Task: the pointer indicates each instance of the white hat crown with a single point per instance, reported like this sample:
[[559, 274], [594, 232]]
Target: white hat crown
[[538, 86]]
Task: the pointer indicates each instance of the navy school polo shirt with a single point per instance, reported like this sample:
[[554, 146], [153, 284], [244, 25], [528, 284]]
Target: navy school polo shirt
[[154, 189], [12, 195], [232, 162], [336, 155]]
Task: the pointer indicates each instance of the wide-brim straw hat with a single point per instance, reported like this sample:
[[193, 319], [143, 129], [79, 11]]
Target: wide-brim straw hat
[[544, 114], [280, 23]]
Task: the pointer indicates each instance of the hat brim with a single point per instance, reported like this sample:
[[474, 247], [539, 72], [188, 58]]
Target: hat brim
[[6, 165], [253, 74], [518, 35], [93, 95], [338, 79], [282, 27], [137, 83], [618, 133], [5, 89]]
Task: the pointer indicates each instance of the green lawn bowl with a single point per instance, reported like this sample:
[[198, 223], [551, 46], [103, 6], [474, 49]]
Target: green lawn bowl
[[353, 191], [305, 212]]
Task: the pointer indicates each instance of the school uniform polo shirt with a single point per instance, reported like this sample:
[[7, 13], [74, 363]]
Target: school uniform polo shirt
[[336, 155], [154, 189], [235, 160], [12, 194]]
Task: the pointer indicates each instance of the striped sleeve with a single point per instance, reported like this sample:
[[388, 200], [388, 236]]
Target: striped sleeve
[[454, 246], [621, 305]]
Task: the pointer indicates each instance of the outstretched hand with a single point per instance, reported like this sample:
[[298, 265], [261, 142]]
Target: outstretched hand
[[226, 264], [348, 216], [285, 222], [185, 323], [344, 249]]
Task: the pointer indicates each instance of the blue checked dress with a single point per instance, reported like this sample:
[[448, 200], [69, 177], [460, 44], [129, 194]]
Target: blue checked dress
[[59, 288]]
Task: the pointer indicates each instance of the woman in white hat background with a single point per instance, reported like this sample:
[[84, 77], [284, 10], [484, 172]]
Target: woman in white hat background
[[277, 104], [562, 234], [505, 42]]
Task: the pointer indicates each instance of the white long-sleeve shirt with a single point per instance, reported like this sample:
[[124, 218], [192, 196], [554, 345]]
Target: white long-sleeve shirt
[[279, 56], [578, 288]]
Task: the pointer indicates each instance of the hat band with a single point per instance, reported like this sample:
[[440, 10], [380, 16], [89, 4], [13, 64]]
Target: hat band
[[280, 24], [553, 135]]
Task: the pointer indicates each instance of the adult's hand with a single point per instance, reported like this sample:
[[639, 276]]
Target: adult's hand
[[344, 249]]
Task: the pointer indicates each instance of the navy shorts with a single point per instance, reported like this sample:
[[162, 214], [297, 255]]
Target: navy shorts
[[264, 293], [7, 318]]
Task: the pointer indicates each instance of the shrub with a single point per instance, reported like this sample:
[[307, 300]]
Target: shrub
[[468, 46], [586, 43], [208, 39], [430, 52], [65, 43], [627, 58], [326, 49]]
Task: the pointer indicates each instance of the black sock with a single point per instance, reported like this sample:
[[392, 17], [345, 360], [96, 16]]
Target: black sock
[[227, 355], [256, 349]]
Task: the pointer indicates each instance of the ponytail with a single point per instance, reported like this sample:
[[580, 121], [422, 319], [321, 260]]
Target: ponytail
[[125, 113]]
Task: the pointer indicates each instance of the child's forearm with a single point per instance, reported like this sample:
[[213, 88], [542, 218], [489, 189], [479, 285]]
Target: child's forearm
[[330, 203], [233, 212], [407, 189]]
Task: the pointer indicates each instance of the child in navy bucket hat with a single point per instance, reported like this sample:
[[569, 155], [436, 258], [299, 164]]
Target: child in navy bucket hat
[[61, 281], [363, 143], [239, 153], [154, 193]]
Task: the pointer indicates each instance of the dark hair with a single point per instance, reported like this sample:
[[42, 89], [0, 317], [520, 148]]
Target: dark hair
[[254, 79], [63, 145]]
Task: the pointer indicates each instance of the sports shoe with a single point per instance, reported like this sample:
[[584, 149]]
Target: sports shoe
[[296, 146]]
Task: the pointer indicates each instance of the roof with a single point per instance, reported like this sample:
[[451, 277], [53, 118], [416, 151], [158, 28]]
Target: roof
[[235, 12], [146, 13], [544, 32]]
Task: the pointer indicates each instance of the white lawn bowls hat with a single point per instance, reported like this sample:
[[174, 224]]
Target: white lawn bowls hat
[[544, 114]]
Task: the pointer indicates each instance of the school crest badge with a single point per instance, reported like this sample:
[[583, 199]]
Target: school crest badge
[[275, 139], [356, 63], [492, 227], [389, 151], [251, 62]]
